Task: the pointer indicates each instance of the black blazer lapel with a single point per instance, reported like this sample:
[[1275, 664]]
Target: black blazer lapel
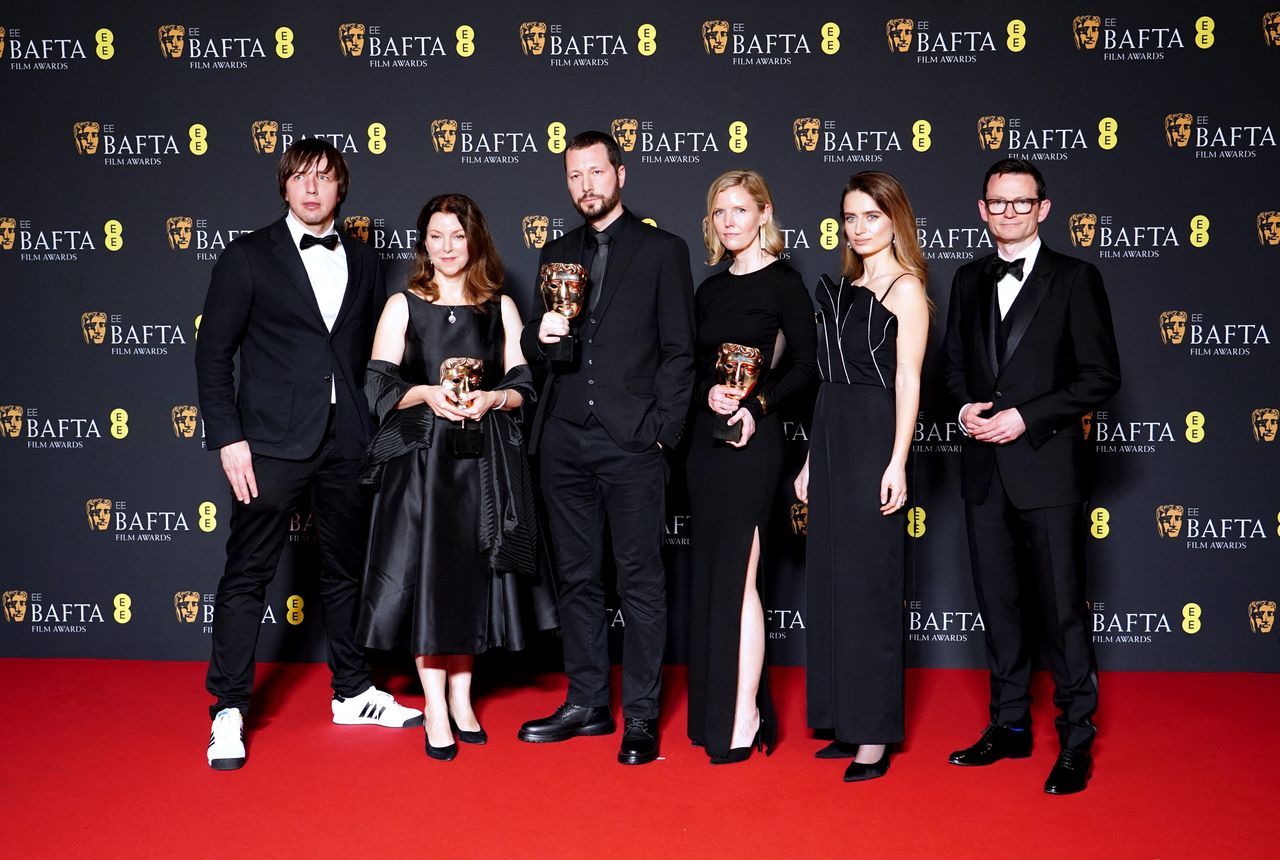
[[290, 259], [1028, 302], [630, 240], [355, 271], [990, 315]]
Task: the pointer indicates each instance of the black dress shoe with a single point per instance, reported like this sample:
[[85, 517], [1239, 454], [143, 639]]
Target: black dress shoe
[[480, 736], [447, 753], [1070, 773], [997, 742], [569, 721], [859, 772], [737, 755], [837, 749], [639, 741]]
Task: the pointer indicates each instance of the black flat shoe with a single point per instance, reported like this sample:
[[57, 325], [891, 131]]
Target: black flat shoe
[[1070, 773], [997, 742], [859, 772], [639, 741], [480, 736], [569, 721], [448, 753], [837, 749]]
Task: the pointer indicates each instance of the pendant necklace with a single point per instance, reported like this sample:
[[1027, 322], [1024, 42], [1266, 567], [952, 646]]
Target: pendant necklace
[[452, 318]]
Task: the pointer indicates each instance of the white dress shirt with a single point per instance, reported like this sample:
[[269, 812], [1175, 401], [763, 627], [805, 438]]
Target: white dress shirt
[[327, 272]]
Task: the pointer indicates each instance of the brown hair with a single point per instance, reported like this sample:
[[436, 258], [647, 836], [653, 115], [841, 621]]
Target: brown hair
[[306, 152], [753, 183], [889, 195], [484, 274]]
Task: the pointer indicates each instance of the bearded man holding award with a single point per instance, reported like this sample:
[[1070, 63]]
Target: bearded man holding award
[[608, 411]]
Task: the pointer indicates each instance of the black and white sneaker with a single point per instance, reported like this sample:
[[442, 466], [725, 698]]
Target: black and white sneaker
[[226, 740], [374, 707]]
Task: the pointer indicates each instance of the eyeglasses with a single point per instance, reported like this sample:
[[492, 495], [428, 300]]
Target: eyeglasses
[[1022, 205]]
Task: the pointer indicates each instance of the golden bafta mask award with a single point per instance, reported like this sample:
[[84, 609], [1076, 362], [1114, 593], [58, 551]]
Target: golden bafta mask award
[[738, 368], [564, 291], [460, 377]]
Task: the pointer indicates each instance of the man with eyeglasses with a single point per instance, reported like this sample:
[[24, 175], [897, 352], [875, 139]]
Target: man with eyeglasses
[[1029, 349]]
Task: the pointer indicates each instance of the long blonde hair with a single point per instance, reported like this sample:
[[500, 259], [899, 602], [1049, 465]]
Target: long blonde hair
[[770, 234]]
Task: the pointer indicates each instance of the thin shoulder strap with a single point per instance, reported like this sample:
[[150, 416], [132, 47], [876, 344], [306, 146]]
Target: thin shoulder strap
[[885, 294]]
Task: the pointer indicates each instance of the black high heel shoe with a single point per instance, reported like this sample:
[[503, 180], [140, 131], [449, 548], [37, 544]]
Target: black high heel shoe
[[445, 753], [480, 736], [859, 772], [741, 754]]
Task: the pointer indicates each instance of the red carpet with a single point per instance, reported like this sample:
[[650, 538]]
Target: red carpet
[[106, 759]]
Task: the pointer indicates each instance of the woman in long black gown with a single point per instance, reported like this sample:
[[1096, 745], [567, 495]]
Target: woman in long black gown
[[874, 325], [760, 302], [450, 569]]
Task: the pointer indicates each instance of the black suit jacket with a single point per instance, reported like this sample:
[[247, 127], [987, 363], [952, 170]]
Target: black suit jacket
[[1060, 361], [260, 304], [641, 343]]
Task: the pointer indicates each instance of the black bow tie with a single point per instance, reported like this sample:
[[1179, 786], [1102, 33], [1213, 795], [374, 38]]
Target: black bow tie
[[330, 242], [998, 268]]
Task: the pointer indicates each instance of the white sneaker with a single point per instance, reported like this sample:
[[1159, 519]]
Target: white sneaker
[[226, 740], [374, 707]]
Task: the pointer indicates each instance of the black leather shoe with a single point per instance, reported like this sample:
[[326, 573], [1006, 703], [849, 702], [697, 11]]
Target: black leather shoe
[[447, 753], [480, 736], [639, 741], [997, 742], [1070, 773], [569, 721], [859, 772], [837, 749]]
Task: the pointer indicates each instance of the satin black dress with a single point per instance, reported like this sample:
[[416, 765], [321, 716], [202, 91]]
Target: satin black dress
[[854, 569], [428, 586], [732, 490]]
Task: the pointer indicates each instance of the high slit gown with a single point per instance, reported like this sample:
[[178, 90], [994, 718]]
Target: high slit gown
[[731, 490], [854, 568]]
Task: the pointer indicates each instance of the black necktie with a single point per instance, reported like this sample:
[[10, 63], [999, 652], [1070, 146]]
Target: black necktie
[[599, 263], [330, 242], [998, 268]]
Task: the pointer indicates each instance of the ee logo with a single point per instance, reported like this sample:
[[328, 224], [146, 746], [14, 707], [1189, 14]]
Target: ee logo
[[1199, 231], [284, 43], [920, 131], [555, 137], [1017, 31], [1191, 618], [915, 522], [1107, 132], [1204, 32], [830, 41], [1195, 426], [104, 39], [829, 234], [648, 44], [466, 45], [123, 613], [199, 136], [377, 138], [113, 232], [1099, 523], [293, 610], [119, 423], [208, 516], [738, 136]]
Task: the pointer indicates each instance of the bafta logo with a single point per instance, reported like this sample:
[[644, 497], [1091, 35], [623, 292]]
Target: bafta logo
[[357, 227], [1085, 30], [1265, 421], [86, 137], [98, 512], [351, 39], [899, 32], [1177, 130], [1262, 614], [533, 38], [624, 131], [184, 421], [1084, 227], [715, 36], [186, 605], [804, 130], [800, 519], [534, 228], [172, 40], [93, 325], [11, 421], [266, 133], [1086, 425], [15, 605], [990, 131], [8, 232], [1173, 327], [2, 42], [1270, 29], [444, 134], [1169, 520], [178, 230], [1268, 228]]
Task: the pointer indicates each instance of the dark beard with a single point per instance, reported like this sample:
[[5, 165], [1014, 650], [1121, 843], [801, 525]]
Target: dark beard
[[607, 205]]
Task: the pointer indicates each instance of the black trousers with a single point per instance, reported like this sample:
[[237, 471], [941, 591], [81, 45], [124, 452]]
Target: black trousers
[[1012, 549], [587, 480], [258, 534]]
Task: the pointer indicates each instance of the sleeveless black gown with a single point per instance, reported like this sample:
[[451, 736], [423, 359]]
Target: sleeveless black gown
[[732, 490], [854, 570], [429, 588]]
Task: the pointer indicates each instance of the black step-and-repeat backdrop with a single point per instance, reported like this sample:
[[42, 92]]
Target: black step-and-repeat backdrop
[[139, 139]]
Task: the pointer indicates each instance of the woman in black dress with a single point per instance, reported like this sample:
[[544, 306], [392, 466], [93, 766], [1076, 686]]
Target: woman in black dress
[[759, 302], [450, 563], [874, 325]]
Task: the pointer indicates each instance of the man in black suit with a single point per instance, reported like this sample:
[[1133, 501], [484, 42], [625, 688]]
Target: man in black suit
[[602, 424], [297, 301], [1029, 349]]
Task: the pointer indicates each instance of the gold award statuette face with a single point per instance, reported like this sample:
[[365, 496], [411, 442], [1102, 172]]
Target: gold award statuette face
[[564, 291], [461, 376], [738, 368]]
